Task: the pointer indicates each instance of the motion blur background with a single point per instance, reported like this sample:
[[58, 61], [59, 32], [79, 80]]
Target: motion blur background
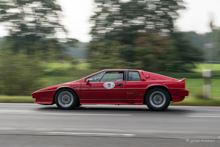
[[47, 42]]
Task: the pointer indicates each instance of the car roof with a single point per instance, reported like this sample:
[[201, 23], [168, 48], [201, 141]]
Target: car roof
[[120, 69]]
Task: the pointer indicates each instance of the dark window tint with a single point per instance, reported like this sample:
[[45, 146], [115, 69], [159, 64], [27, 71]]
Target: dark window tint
[[134, 76]]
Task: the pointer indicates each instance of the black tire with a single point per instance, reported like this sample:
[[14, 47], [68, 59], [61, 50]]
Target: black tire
[[78, 105], [157, 99], [66, 99]]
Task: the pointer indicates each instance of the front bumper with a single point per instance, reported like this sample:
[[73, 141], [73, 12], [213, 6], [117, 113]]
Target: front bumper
[[44, 97]]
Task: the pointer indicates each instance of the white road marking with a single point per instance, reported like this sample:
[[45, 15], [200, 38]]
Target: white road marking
[[16, 111], [91, 114], [90, 134], [208, 116], [32, 112]]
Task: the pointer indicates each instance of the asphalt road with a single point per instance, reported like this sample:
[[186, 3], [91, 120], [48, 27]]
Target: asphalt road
[[32, 125]]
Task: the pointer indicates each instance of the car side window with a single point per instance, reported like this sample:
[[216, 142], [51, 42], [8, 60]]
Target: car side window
[[95, 78], [113, 76], [134, 76]]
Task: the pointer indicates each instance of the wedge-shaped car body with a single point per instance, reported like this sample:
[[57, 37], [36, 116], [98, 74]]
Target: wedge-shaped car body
[[117, 87]]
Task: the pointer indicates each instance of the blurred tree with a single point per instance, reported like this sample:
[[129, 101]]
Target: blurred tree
[[125, 21], [150, 51], [122, 21], [33, 25], [105, 55], [153, 52], [185, 54], [19, 73], [31, 18]]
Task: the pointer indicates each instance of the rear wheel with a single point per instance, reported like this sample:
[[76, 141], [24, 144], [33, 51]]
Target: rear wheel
[[66, 99], [157, 99]]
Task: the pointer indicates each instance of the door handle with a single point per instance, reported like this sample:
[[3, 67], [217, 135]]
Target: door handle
[[119, 85]]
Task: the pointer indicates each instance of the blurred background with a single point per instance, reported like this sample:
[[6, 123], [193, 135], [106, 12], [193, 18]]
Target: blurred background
[[47, 42]]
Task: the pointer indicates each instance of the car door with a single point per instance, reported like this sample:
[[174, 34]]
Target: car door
[[107, 87], [135, 87]]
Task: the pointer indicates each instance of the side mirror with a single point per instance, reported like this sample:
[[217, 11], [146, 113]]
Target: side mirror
[[87, 82]]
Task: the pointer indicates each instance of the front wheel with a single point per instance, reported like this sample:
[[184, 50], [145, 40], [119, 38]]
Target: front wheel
[[66, 99], [157, 99]]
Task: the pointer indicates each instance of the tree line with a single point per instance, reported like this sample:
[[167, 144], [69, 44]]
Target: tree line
[[140, 34], [133, 34]]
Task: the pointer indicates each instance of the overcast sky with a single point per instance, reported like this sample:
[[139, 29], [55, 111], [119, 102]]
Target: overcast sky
[[195, 18]]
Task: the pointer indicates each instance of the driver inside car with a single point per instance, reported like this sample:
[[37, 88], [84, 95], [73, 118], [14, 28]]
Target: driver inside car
[[119, 76]]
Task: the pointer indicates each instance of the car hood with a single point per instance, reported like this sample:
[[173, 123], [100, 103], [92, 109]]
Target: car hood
[[55, 87]]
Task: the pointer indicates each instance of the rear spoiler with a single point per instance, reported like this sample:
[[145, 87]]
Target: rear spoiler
[[183, 80], [182, 83]]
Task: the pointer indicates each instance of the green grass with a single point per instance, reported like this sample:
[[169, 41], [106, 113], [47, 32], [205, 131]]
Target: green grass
[[195, 87], [54, 80], [200, 67], [16, 99], [82, 66], [63, 66], [197, 102], [55, 66]]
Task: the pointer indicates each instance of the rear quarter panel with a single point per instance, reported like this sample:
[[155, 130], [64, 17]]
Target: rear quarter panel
[[174, 86]]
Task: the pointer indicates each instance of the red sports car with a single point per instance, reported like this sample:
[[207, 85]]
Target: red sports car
[[117, 87]]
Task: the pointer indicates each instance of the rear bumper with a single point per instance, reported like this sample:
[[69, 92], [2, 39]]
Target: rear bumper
[[184, 92], [179, 96]]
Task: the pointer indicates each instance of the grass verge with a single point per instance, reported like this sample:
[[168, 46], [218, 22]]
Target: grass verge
[[16, 99], [197, 102]]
